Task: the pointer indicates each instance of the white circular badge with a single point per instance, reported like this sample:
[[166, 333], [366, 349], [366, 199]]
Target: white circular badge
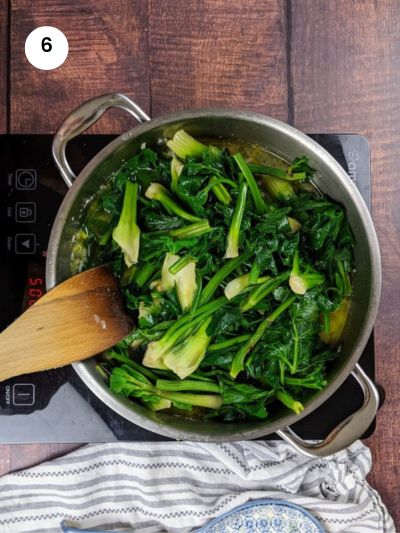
[[46, 48]]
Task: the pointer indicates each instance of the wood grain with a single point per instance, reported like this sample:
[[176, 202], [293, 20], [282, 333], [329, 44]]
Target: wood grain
[[26, 455], [207, 53], [18, 456], [346, 77], [79, 318], [5, 459], [108, 51], [3, 64]]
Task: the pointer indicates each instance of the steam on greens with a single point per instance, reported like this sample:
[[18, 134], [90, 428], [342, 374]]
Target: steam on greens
[[237, 272]]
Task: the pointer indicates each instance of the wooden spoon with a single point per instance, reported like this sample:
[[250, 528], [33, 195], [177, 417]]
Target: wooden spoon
[[79, 318]]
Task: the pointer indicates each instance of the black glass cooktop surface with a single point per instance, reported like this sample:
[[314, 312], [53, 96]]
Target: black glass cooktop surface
[[56, 406]]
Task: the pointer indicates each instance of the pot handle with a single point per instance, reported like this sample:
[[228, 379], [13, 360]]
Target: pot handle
[[81, 119], [348, 431]]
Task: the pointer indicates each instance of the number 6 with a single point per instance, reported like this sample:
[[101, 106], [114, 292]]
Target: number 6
[[46, 44]]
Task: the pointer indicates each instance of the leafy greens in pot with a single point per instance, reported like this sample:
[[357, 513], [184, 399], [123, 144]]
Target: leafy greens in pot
[[237, 272]]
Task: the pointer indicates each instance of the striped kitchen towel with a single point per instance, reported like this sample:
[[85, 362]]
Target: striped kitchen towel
[[178, 487]]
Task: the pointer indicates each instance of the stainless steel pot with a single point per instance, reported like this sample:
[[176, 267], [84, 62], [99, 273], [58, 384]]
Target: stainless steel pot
[[330, 178]]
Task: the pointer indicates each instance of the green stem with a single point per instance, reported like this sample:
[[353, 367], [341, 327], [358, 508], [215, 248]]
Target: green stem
[[327, 321], [144, 201], [196, 301], [282, 372], [128, 361], [238, 361], [176, 169], [203, 311], [219, 276], [220, 191], [157, 192], [232, 243], [133, 202], [218, 181], [254, 273], [188, 385], [144, 274], [106, 237], [197, 375], [301, 382], [228, 343], [183, 145], [181, 263], [345, 278], [127, 234], [291, 403], [170, 339], [128, 275], [162, 326], [211, 401], [260, 292], [296, 342], [193, 230], [299, 281], [277, 172], [102, 372], [263, 279], [254, 189], [296, 263], [278, 188]]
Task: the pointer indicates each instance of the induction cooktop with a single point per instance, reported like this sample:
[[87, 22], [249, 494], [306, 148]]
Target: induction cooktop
[[56, 406]]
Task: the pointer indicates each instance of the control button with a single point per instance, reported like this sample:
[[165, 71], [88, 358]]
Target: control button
[[25, 212], [25, 179], [25, 243], [23, 394]]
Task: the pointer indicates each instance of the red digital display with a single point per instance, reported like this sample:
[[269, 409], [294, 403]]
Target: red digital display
[[35, 290]]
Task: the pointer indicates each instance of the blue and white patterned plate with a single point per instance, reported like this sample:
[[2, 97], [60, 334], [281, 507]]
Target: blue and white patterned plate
[[264, 516], [259, 516]]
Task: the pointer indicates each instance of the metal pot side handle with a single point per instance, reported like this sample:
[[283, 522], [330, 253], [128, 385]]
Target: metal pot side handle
[[348, 431], [81, 119]]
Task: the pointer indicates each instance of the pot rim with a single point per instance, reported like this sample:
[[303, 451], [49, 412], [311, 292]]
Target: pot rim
[[121, 405]]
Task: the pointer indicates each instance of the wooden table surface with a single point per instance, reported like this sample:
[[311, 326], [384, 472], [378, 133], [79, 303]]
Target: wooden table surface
[[321, 65]]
